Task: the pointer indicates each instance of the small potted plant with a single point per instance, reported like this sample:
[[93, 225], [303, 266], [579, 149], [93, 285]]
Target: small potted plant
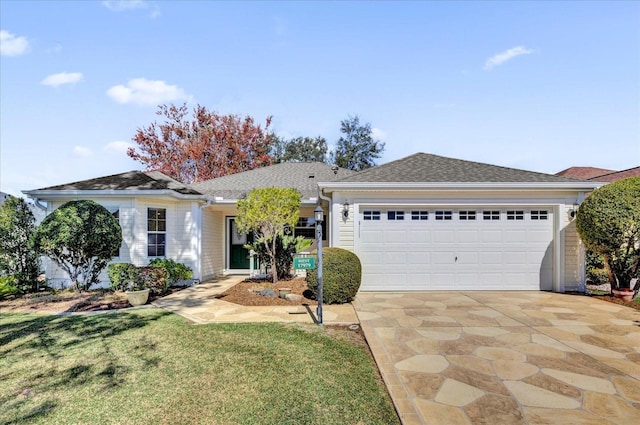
[[135, 288]]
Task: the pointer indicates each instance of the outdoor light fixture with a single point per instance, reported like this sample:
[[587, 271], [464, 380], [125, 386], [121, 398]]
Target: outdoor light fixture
[[319, 216], [574, 210], [345, 210]]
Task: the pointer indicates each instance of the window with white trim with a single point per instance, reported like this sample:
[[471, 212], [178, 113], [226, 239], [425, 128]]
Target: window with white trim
[[491, 215], [395, 215], [371, 215], [444, 215], [306, 227], [467, 215], [539, 215], [515, 215], [156, 232], [419, 215]]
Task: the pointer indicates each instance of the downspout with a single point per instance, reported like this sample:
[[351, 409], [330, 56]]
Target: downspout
[[329, 201]]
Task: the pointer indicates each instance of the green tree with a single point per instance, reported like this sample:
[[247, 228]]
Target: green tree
[[81, 237], [356, 149], [300, 149], [17, 259], [608, 222], [269, 212]]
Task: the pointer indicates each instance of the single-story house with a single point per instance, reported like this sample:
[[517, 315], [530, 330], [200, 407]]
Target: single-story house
[[424, 222]]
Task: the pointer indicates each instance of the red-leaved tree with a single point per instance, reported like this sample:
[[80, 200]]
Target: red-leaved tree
[[202, 147]]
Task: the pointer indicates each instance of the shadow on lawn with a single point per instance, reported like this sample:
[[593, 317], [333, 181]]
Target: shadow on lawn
[[56, 337]]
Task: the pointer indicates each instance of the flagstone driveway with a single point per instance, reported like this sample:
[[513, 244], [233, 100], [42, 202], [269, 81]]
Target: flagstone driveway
[[505, 357]]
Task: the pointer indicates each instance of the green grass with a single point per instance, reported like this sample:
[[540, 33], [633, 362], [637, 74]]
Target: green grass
[[153, 367]]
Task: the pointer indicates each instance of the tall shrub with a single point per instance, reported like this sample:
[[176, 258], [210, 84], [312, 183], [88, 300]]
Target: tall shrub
[[341, 276], [81, 237], [608, 222], [17, 258]]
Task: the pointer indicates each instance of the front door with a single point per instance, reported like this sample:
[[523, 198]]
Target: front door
[[238, 254]]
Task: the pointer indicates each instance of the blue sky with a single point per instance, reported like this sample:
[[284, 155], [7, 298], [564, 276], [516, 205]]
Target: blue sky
[[535, 85]]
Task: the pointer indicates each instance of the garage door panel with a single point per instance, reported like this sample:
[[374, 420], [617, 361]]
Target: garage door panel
[[491, 257], [395, 258], [468, 236], [465, 258], [489, 236], [455, 254], [395, 236]]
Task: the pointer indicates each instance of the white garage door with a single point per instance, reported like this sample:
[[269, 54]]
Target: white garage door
[[451, 248]]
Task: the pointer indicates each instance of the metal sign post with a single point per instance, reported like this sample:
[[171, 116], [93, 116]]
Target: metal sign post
[[319, 216]]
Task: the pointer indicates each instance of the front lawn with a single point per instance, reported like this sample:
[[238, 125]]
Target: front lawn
[[153, 367]]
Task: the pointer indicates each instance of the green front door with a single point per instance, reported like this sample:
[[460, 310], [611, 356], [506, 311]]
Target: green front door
[[238, 254]]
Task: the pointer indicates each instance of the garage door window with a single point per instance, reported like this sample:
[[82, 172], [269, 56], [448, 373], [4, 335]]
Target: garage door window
[[419, 215], [395, 215], [467, 215], [444, 215], [539, 215], [491, 215], [371, 215], [515, 215]]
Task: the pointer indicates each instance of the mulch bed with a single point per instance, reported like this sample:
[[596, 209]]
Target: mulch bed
[[244, 293]]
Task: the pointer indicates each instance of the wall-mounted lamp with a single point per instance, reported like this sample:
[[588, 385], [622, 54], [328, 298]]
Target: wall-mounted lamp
[[345, 210], [574, 210]]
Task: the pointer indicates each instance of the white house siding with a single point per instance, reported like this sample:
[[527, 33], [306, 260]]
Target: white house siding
[[565, 255], [211, 255], [133, 221]]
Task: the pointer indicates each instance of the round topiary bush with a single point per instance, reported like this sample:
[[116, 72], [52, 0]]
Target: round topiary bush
[[341, 276]]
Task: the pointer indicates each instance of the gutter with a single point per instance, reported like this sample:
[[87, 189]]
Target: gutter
[[55, 194], [415, 186]]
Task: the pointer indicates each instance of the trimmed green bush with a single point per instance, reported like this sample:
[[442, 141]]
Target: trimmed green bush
[[127, 277], [119, 275], [176, 271], [341, 276], [8, 286]]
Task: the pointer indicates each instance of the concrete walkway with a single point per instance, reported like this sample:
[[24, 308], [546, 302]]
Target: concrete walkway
[[200, 304], [505, 357]]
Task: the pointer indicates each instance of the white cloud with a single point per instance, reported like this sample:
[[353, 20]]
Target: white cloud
[[11, 45], [120, 5], [124, 5], [118, 147], [55, 80], [141, 91], [378, 134], [81, 151], [501, 58]]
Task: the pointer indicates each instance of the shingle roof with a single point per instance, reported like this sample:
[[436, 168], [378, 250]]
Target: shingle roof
[[617, 175], [131, 180], [302, 176], [427, 168], [584, 172]]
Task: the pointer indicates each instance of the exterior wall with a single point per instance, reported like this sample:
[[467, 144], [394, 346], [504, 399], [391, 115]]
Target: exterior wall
[[182, 233], [568, 256], [211, 256]]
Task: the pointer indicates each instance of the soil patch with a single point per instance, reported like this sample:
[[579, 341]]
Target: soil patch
[[68, 301], [247, 292]]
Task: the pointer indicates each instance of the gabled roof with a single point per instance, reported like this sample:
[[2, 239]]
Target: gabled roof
[[131, 180], [427, 168], [302, 176], [617, 175], [584, 172]]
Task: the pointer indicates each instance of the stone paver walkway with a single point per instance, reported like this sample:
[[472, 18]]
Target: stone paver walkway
[[200, 304], [505, 357]]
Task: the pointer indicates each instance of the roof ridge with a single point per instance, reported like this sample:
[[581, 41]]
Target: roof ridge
[[613, 172]]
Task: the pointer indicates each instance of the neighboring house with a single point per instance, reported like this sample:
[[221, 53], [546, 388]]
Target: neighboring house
[[37, 210], [424, 222], [617, 175], [584, 173], [599, 174]]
